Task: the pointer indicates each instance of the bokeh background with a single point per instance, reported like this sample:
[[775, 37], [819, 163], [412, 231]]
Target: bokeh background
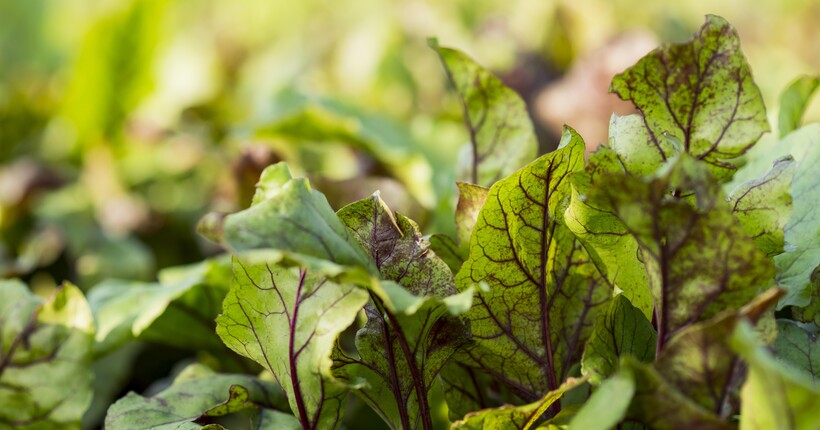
[[122, 122]]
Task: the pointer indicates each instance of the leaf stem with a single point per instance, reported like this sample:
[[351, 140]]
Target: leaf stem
[[304, 420]]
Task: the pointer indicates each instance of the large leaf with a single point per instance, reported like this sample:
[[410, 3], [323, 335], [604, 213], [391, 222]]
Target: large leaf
[[287, 214], [178, 311], [515, 417], [45, 358], [763, 206], [799, 346], [697, 95], [622, 330], [698, 258], [613, 249], [532, 322], [699, 362], [501, 133], [195, 395], [403, 345], [773, 397], [287, 320], [465, 389], [793, 103]]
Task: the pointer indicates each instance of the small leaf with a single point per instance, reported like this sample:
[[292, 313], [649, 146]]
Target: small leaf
[[608, 404], [532, 322], [515, 417], [464, 389], [700, 93], [763, 206], [196, 392], [45, 357], [799, 347], [287, 320], [470, 200], [793, 103], [773, 397], [501, 134], [445, 247], [622, 330], [288, 215]]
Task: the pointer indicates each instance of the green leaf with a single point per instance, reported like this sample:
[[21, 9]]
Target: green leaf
[[178, 311], [501, 133], [608, 404], [773, 397], [465, 389], [799, 346], [197, 392], [515, 417], [445, 247], [403, 346], [700, 94], [699, 362], [531, 323], [287, 320], [796, 265], [288, 215], [45, 358], [793, 103], [612, 248], [470, 200], [622, 330], [698, 258], [661, 406], [763, 206]]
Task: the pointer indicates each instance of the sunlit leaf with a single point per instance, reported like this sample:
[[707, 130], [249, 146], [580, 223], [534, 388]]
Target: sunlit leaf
[[793, 103], [699, 96]]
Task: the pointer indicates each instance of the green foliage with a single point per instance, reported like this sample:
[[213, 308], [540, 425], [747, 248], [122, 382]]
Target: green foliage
[[633, 290]]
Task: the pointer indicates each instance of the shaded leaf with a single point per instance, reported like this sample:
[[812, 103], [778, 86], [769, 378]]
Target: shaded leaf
[[613, 249], [622, 330], [287, 320], [799, 347], [510, 417], [501, 133], [402, 347], [699, 95], [445, 247], [696, 254], [465, 389], [531, 323], [45, 357], [763, 206], [197, 392], [773, 397], [793, 103]]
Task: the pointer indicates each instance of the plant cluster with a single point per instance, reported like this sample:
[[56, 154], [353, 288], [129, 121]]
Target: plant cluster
[[670, 281]]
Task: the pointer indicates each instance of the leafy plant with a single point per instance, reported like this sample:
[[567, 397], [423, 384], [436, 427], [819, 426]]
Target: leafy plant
[[635, 289]]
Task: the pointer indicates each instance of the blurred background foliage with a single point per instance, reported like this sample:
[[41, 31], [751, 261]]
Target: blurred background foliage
[[123, 121]]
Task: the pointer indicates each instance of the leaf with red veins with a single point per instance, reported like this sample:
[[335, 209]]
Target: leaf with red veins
[[287, 319], [543, 292], [699, 94]]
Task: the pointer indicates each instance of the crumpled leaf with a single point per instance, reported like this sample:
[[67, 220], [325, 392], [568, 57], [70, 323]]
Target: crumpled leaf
[[763, 206], [531, 323], [510, 417], [793, 103], [612, 248], [177, 311], [698, 258], [287, 214], [697, 97], [287, 320], [502, 138], [403, 346], [799, 346], [622, 330], [45, 357], [773, 397], [197, 392]]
